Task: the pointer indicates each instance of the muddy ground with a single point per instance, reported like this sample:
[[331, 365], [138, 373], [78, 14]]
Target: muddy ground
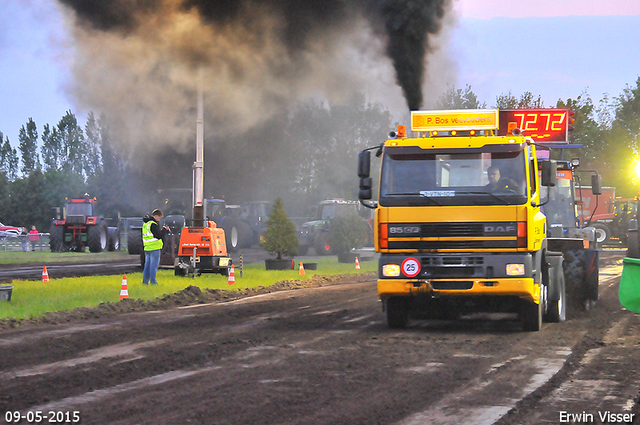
[[319, 352], [191, 295]]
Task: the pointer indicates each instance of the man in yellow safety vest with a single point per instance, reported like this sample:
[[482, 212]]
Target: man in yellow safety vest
[[152, 235]]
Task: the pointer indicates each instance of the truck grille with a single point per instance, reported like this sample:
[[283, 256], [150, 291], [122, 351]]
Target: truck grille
[[439, 230], [452, 266], [430, 236], [453, 244]]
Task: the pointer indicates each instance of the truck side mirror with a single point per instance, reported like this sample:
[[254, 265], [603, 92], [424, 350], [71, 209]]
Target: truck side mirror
[[365, 188], [364, 163], [596, 184], [549, 171]]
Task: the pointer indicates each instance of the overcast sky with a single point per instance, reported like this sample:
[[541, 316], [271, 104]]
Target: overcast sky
[[498, 46]]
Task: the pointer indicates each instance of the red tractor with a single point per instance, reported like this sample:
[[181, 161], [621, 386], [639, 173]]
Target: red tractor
[[77, 226]]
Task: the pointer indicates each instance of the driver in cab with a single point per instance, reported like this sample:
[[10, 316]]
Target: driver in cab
[[497, 183]]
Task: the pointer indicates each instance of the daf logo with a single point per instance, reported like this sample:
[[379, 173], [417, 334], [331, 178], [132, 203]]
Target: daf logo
[[500, 229]]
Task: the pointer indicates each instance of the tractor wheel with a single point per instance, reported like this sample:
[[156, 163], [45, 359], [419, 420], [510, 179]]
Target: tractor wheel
[[603, 234], [134, 241], [633, 244], [574, 279], [245, 234], [56, 238], [97, 238], [321, 245], [231, 233], [114, 239]]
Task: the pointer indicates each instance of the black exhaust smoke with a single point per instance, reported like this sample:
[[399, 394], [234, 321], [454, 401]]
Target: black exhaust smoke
[[405, 25]]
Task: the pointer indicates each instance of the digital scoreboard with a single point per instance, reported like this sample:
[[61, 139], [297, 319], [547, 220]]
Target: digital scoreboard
[[542, 125]]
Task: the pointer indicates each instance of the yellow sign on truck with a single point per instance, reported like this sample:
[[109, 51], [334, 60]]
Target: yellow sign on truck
[[459, 223], [465, 119]]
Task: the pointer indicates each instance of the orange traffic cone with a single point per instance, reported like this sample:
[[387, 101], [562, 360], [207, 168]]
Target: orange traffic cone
[[357, 264], [45, 275], [301, 269], [232, 276], [124, 292]]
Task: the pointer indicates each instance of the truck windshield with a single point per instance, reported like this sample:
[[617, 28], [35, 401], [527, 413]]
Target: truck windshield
[[453, 178], [560, 209]]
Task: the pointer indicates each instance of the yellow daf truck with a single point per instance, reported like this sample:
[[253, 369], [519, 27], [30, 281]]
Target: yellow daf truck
[[459, 221]]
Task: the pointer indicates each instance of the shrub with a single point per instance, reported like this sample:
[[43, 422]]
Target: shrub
[[280, 237], [348, 231]]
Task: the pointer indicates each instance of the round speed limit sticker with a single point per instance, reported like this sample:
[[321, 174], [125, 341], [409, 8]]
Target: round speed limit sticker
[[411, 267]]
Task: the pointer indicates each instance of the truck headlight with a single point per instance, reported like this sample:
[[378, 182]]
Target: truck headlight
[[391, 270], [515, 269]]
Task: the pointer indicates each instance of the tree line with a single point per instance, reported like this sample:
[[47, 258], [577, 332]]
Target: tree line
[[64, 160], [302, 156]]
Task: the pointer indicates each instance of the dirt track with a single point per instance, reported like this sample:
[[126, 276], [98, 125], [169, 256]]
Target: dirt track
[[321, 355]]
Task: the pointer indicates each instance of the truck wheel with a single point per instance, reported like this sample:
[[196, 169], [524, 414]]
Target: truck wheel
[[633, 244], [114, 239], [56, 236], [397, 312], [303, 249], [97, 238], [531, 315], [557, 309], [134, 241], [603, 234], [321, 245]]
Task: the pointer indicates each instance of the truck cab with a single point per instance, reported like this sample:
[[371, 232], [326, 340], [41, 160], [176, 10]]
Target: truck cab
[[458, 222]]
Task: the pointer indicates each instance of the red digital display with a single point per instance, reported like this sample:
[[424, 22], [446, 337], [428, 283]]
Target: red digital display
[[542, 125]]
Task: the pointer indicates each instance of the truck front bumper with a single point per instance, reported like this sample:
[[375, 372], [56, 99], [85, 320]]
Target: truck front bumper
[[524, 288]]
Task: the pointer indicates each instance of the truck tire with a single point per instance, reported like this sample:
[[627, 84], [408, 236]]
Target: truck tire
[[603, 234], [531, 315], [56, 238], [553, 279], [303, 249], [97, 238], [557, 309], [633, 244], [134, 241], [114, 239], [397, 312]]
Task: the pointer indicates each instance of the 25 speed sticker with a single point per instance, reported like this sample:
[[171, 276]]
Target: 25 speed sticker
[[411, 267]]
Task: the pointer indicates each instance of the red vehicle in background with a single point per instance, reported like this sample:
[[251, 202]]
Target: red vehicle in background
[[9, 230], [609, 215]]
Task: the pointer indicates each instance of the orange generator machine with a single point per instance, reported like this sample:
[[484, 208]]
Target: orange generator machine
[[202, 245], [202, 249]]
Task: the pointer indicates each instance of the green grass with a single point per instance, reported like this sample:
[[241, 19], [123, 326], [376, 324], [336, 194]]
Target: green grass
[[31, 299], [46, 256]]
